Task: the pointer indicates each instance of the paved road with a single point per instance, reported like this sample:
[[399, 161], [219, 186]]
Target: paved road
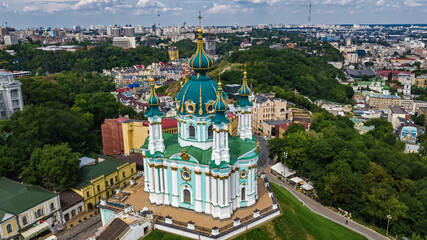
[[83, 230], [263, 160], [318, 208]]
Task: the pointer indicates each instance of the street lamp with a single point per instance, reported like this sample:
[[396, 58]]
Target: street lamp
[[388, 222], [285, 155]]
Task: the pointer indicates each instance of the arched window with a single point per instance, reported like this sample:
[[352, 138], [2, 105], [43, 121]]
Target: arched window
[[9, 228], [192, 131], [24, 220], [187, 196], [243, 194], [52, 206], [210, 132]]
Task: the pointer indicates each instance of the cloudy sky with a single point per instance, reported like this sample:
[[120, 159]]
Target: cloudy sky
[[66, 13]]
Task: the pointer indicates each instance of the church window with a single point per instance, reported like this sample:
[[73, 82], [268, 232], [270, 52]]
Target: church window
[[243, 194], [210, 132], [186, 175], [52, 207], [192, 132], [187, 196], [9, 228], [24, 220]]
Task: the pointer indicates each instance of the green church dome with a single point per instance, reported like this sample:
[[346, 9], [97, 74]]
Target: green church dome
[[245, 90], [153, 99], [200, 61], [220, 105], [197, 96]]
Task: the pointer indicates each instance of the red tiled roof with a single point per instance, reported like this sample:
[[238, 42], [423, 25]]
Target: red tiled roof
[[121, 119], [169, 123]]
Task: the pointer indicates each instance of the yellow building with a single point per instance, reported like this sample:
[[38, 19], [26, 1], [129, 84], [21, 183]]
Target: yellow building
[[232, 126], [173, 53], [421, 81], [26, 210], [101, 179], [135, 132]]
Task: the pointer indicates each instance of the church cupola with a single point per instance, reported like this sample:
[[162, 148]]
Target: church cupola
[[244, 126], [220, 150], [200, 62], [155, 142]]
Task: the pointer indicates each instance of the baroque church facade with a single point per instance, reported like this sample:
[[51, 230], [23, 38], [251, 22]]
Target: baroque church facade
[[203, 167]]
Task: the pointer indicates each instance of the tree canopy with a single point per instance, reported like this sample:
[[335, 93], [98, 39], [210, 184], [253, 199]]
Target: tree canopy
[[367, 175]]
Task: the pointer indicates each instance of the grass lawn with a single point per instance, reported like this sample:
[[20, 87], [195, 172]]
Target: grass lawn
[[160, 235], [296, 222]]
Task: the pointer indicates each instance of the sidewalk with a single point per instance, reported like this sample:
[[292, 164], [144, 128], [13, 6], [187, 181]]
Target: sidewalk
[[323, 211]]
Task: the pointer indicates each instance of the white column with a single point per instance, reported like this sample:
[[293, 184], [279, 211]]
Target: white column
[[253, 179], [232, 185], [214, 191], [208, 194], [221, 192], [152, 181], [198, 206], [156, 179], [166, 189], [175, 200], [250, 182], [227, 191]]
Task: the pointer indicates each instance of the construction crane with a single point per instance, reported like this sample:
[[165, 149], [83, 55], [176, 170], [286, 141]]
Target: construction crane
[[16, 62]]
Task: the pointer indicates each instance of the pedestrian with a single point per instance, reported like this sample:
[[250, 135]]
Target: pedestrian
[[346, 221]]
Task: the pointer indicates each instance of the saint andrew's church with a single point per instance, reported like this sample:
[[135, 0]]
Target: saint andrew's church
[[203, 167]]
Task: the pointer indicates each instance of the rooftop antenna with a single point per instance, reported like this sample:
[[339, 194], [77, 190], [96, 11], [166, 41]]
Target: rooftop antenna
[[158, 18], [309, 23]]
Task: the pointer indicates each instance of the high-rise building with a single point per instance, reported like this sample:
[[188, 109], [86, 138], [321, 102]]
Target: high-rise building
[[109, 30], [128, 31], [124, 42], [173, 53], [10, 39], [139, 29], [116, 31], [10, 95], [210, 45]]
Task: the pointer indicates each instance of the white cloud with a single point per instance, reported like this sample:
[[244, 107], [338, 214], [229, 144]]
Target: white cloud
[[229, 9], [336, 2], [413, 3], [222, 9], [268, 2], [150, 3], [5, 5], [31, 8]]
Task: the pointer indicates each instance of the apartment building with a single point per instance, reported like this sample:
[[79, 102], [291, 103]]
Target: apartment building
[[10, 95], [267, 108], [382, 102]]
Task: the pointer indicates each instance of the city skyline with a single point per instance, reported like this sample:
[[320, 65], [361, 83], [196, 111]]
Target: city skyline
[[66, 13]]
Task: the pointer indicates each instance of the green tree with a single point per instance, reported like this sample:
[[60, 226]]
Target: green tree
[[55, 167], [294, 128]]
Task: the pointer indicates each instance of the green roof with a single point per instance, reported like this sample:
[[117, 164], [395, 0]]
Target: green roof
[[16, 198], [237, 147], [91, 172]]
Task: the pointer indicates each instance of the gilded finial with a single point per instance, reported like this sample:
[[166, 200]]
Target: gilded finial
[[245, 73], [219, 82]]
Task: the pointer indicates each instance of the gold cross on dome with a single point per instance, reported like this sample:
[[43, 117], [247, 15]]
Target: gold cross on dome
[[200, 19]]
